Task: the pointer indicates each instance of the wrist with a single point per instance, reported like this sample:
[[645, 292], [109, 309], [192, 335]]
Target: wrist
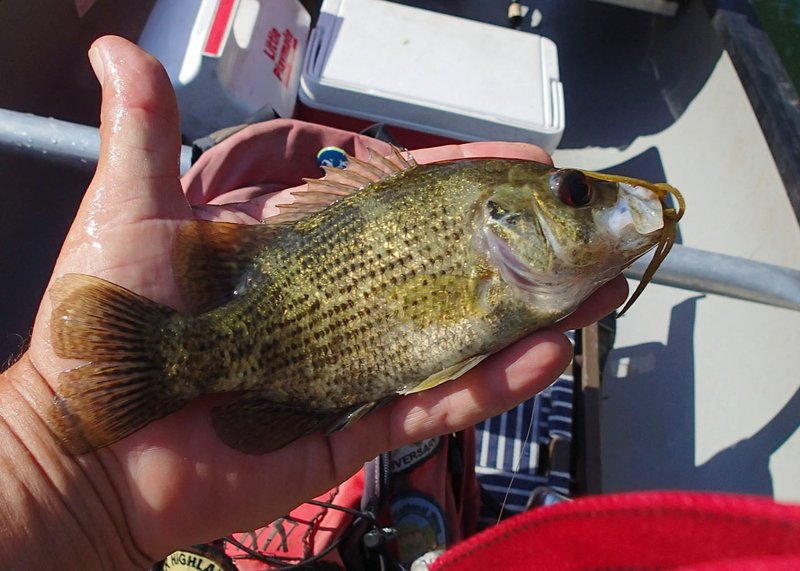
[[57, 510]]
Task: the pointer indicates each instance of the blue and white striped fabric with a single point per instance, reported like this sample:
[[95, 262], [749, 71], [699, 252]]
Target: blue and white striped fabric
[[509, 445]]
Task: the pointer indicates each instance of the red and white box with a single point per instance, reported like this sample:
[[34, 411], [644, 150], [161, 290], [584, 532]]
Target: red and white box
[[229, 59]]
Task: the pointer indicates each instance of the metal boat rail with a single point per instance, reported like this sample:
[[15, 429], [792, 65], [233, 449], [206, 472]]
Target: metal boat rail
[[686, 268]]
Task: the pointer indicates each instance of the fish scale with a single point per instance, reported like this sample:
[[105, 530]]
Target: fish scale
[[328, 310]]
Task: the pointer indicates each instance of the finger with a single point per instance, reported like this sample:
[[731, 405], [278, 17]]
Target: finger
[[137, 173], [598, 305], [500, 383], [135, 200], [483, 149], [496, 385]]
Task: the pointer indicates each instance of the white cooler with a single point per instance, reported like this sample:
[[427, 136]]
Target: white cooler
[[433, 73]]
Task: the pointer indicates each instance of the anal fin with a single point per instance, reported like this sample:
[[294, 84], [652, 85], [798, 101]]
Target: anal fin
[[254, 424], [350, 416]]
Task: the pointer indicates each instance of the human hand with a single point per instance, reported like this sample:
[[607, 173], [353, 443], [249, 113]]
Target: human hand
[[173, 483]]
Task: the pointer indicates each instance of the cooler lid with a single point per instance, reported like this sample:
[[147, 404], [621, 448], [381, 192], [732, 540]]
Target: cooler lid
[[373, 58]]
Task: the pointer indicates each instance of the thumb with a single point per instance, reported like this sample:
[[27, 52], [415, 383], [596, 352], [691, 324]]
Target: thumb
[[138, 171], [124, 226]]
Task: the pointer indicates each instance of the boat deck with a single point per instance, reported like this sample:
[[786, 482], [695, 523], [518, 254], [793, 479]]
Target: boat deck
[[701, 391]]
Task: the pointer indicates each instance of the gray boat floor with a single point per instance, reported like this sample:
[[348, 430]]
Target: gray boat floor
[[701, 392]]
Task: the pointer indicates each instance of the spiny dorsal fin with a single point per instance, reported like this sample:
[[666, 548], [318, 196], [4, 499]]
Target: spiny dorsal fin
[[339, 183], [210, 258]]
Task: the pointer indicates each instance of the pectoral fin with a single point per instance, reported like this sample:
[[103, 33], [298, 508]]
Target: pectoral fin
[[448, 374], [442, 298]]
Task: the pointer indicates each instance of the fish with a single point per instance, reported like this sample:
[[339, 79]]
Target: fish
[[383, 279]]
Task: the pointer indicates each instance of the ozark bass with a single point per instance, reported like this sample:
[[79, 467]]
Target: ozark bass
[[383, 279]]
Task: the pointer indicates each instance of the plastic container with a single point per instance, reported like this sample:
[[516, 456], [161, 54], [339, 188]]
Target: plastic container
[[433, 73]]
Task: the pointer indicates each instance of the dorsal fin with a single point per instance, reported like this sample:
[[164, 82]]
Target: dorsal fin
[[210, 258], [338, 183]]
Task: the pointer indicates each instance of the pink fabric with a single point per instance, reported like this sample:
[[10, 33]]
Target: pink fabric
[[267, 157], [308, 530]]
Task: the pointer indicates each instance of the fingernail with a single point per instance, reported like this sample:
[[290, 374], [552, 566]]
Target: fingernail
[[96, 61]]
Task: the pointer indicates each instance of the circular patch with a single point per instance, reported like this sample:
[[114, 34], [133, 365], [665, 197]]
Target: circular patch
[[332, 157], [420, 524]]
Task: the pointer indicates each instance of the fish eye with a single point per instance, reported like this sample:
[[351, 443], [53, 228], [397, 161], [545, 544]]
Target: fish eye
[[572, 188]]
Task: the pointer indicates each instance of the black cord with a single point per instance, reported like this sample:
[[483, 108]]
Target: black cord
[[358, 513], [281, 561]]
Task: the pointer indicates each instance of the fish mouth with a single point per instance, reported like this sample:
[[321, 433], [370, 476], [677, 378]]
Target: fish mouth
[[636, 218], [630, 225], [645, 208], [667, 228], [639, 202]]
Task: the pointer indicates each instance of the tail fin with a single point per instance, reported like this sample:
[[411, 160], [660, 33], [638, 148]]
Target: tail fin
[[123, 387]]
